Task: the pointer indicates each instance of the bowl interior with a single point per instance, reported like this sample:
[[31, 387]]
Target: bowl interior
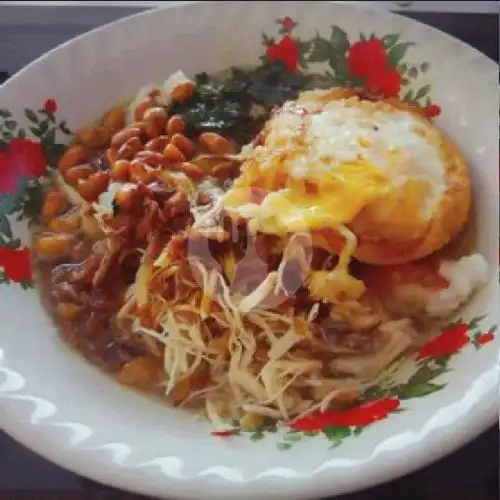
[[63, 408]]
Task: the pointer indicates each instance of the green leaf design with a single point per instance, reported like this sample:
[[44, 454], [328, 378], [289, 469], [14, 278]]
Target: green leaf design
[[336, 434], [33, 200], [362, 37], [49, 139], [405, 81], [408, 96], [426, 373], [474, 323], [422, 92], [63, 127], [292, 437], [320, 51], [35, 131], [417, 391], [397, 52], [390, 40], [256, 436], [357, 431], [43, 127], [493, 329], [53, 153], [284, 446], [3, 279], [5, 229], [21, 133], [3, 144], [26, 285], [31, 115], [7, 136], [424, 67], [10, 124], [339, 40], [403, 68], [413, 72], [5, 113]]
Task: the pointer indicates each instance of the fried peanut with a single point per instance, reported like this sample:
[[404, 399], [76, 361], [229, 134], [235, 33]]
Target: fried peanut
[[173, 155], [156, 117], [176, 125], [215, 143], [74, 155], [55, 204], [152, 158], [67, 310], [192, 171], [184, 145], [140, 172], [142, 107], [157, 144], [124, 135], [74, 174], [54, 244], [141, 371], [120, 170], [94, 136], [115, 118], [91, 188], [66, 223], [183, 91], [128, 150]]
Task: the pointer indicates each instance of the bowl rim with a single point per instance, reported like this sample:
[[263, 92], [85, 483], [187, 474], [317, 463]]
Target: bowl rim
[[416, 457]]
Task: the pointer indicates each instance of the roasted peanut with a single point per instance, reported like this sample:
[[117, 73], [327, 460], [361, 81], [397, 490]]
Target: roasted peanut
[[184, 145], [157, 144], [192, 171], [54, 245], [139, 172], [142, 107], [55, 204], [94, 136], [67, 310], [124, 198], [74, 155], [128, 150], [124, 135], [111, 156], [121, 170], [66, 223], [152, 158], [215, 143], [74, 174], [173, 155], [176, 125], [141, 371], [90, 189], [115, 118], [251, 421], [156, 115], [183, 91]]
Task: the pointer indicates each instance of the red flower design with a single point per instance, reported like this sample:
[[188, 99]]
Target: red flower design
[[432, 110], [23, 158], [286, 51], [362, 415], [50, 106], [484, 338], [367, 58], [386, 83], [288, 24], [449, 342], [222, 433], [16, 264]]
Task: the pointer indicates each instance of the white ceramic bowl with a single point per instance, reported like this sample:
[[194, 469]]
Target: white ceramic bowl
[[56, 404]]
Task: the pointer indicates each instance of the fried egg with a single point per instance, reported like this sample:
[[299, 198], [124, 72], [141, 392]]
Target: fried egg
[[381, 169]]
